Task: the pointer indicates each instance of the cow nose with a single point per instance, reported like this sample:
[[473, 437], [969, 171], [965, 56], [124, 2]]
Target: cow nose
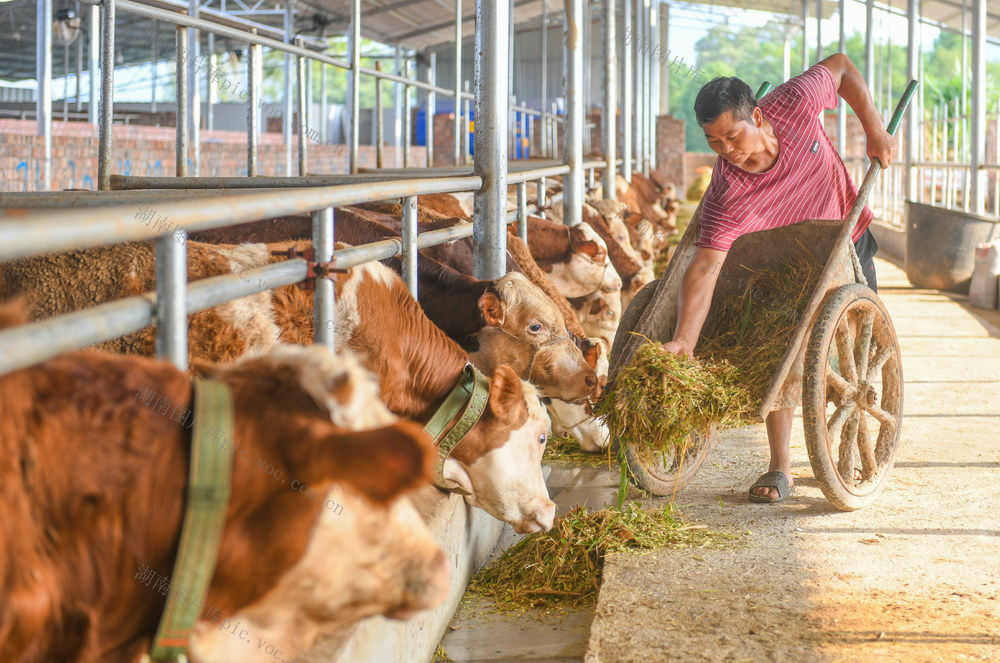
[[541, 519], [590, 379]]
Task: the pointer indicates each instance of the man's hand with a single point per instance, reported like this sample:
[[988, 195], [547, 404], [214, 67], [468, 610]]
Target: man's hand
[[678, 348], [882, 146]]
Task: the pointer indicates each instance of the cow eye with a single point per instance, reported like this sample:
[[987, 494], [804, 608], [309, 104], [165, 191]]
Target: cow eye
[[542, 438], [535, 328]]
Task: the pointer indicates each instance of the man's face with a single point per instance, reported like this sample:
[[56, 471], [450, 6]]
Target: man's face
[[734, 140]]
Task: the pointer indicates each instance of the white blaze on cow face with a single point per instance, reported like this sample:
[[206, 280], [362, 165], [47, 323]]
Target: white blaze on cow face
[[362, 560], [507, 480], [583, 274]]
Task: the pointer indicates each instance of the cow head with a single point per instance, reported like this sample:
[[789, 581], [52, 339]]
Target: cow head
[[583, 273], [635, 284], [577, 419], [526, 331], [499, 462]]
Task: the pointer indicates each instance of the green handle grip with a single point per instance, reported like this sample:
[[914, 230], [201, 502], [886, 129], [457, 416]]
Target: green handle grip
[[904, 101], [764, 88]]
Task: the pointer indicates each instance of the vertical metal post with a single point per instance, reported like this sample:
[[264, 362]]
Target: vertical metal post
[[154, 59], [522, 210], [286, 123], [407, 120], [805, 35], [786, 56], [43, 101], [171, 308], [511, 153], [194, 89], [841, 105], [397, 104], [819, 30], [467, 115], [640, 45], [489, 257], [107, 94], [354, 83], [654, 84], [573, 194], [540, 192], [300, 84], [977, 197], [609, 126], [912, 116], [512, 128], [431, 108], [627, 91], [181, 148], [458, 81], [870, 44], [545, 89], [79, 59], [93, 63], [324, 112], [409, 237], [212, 97], [379, 135], [664, 75], [324, 310], [253, 104]]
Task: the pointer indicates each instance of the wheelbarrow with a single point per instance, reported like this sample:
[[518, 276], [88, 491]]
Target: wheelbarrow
[[843, 357]]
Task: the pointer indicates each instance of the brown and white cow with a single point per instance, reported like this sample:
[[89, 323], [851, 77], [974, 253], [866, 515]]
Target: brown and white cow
[[92, 491], [498, 462], [577, 419], [626, 261]]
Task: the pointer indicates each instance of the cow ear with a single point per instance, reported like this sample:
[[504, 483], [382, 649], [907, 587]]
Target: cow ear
[[384, 463], [506, 395], [597, 306], [580, 243], [492, 309], [591, 352]]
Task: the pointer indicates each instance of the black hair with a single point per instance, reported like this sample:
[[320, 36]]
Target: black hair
[[724, 94]]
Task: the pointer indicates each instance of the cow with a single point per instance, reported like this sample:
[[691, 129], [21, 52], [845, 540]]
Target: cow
[[600, 312], [577, 419], [642, 236], [626, 262], [93, 474], [417, 364], [467, 309]]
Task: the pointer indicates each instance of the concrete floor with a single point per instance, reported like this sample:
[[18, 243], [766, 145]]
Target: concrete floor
[[913, 577]]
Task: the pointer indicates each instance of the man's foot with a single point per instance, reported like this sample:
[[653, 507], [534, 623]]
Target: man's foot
[[772, 486]]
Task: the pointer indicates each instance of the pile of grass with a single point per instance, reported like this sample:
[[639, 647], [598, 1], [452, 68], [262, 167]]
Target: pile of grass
[[567, 448], [563, 567], [660, 399]]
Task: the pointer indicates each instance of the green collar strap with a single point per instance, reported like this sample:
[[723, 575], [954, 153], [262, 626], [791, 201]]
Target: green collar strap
[[204, 515], [466, 401]]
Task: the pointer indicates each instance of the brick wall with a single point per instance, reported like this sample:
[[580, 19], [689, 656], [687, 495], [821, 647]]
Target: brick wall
[[671, 165], [147, 150]]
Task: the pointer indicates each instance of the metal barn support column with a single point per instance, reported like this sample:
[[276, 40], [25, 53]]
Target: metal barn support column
[[522, 210], [300, 84], [324, 113], [431, 108], [978, 142], [286, 122], [609, 128], [93, 63], [654, 83], [171, 289], [640, 85], [458, 81], [354, 81], [664, 72], [913, 111], [181, 147], [397, 106], [466, 114], [107, 94], [786, 60], [409, 237], [43, 102], [407, 120], [540, 195], [253, 104], [379, 128], [819, 30], [544, 139], [79, 63], [209, 114], [627, 91], [489, 255], [153, 58], [841, 104], [805, 35], [573, 195], [870, 45], [323, 302], [194, 89]]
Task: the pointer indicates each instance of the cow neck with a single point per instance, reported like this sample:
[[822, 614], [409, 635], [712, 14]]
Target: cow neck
[[549, 241], [456, 309]]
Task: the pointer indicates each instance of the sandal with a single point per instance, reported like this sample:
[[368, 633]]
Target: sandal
[[775, 479]]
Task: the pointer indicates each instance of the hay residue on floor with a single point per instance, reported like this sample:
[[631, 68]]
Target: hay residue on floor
[[567, 448], [563, 567]]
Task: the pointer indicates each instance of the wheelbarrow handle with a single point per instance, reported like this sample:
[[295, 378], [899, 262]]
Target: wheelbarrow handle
[[876, 165], [764, 88]]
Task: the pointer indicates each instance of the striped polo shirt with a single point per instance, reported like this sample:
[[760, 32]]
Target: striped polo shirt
[[807, 181]]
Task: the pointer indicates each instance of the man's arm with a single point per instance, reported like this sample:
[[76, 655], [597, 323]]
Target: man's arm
[[694, 299], [852, 87]]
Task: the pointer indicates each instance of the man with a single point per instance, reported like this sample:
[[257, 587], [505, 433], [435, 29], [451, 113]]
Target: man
[[776, 167]]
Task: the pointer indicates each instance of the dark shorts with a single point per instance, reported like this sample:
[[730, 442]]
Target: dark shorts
[[867, 247]]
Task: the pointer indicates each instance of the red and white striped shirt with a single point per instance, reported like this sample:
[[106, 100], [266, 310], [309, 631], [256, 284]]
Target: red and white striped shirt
[[807, 181]]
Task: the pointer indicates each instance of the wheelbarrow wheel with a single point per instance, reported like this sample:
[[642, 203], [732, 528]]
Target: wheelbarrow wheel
[[852, 397], [660, 473]]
